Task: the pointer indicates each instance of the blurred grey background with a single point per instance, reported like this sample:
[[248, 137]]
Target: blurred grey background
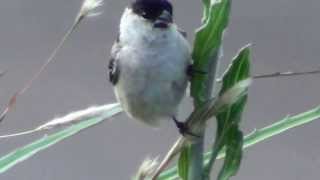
[[284, 34]]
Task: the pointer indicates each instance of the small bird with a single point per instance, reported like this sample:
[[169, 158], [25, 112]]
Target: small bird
[[149, 62]]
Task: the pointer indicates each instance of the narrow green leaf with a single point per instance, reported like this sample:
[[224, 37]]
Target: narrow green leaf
[[233, 154], [228, 120], [183, 164], [23, 153]]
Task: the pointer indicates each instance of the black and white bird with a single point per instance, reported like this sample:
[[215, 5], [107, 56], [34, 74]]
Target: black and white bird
[[149, 62]]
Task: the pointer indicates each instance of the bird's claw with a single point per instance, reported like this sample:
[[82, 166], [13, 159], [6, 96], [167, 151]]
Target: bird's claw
[[191, 71], [184, 129]]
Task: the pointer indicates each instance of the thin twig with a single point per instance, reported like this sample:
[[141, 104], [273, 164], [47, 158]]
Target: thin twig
[[283, 74], [286, 74], [175, 149], [86, 8]]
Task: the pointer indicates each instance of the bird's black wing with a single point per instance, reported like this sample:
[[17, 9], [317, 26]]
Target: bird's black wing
[[113, 67], [114, 71]]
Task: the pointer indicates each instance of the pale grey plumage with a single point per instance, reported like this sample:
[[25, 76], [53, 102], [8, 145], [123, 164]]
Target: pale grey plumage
[[148, 68]]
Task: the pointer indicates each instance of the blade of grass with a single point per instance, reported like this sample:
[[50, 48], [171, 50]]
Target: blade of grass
[[23, 153]]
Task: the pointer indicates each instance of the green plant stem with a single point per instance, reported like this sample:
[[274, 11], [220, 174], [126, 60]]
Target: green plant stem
[[196, 149], [196, 159], [262, 134]]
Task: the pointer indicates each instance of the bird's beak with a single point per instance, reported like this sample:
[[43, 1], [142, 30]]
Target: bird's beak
[[163, 20]]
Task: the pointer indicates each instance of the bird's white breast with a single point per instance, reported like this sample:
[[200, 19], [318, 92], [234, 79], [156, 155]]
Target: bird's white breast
[[153, 64]]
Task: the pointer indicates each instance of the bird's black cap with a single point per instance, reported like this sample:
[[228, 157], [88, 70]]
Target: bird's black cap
[[151, 9]]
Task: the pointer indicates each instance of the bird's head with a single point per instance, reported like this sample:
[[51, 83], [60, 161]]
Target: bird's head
[[156, 12]]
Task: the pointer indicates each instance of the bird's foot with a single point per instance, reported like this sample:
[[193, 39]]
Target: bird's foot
[[184, 129], [191, 71]]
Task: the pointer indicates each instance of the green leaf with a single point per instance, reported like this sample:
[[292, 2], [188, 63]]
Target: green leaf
[[209, 36], [23, 153], [206, 8], [257, 136], [207, 44], [183, 164], [228, 133], [233, 154], [238, 70]]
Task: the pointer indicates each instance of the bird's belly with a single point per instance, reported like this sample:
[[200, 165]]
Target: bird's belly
[[148, 95]]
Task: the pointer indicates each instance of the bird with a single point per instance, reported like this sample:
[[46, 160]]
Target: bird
[[149, 63]]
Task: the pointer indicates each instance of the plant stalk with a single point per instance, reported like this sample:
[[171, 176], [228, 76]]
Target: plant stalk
[[197, 148]]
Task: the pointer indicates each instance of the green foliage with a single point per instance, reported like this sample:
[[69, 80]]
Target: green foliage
[[209, 35], [23, 153], [206, 56], [206, 8], [183, 164], [257, 136], [228, 132], [233, 154], [207, 45]]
